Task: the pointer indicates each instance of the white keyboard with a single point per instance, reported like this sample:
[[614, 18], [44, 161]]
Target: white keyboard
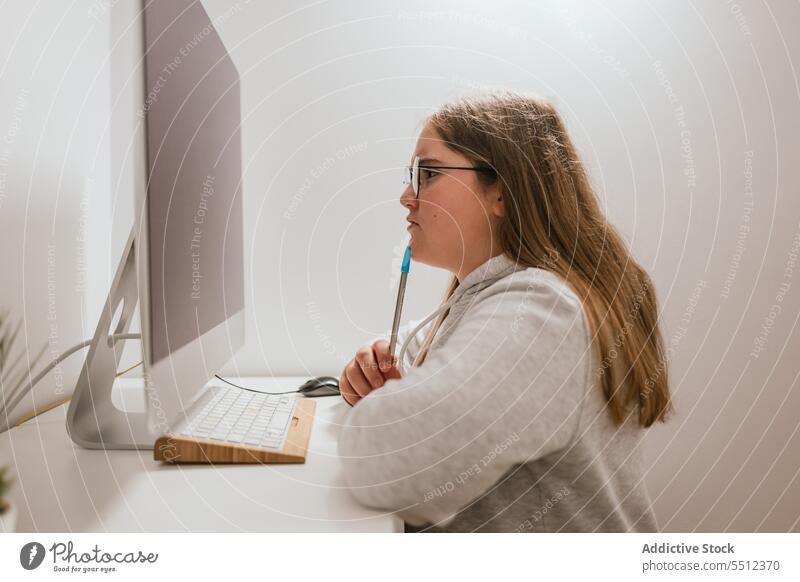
[[241, 417]]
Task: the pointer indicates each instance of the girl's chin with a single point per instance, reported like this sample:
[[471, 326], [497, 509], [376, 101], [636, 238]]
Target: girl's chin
[[417, 249]]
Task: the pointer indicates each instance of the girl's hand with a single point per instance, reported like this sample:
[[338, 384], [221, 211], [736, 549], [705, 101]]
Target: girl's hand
[[368, 371]]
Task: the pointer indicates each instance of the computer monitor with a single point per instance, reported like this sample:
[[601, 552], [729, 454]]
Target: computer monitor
[[184, 260]]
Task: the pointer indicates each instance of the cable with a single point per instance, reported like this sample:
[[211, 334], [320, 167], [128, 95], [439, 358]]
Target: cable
[[126, 370], [18, 393], [401, 356], [446, 305], [218, 377], [37, 411], [21, 390]]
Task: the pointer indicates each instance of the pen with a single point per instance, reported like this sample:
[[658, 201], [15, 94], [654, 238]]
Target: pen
[[398, 308]]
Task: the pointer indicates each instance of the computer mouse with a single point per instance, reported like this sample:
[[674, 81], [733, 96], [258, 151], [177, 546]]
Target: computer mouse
[[321, 386]]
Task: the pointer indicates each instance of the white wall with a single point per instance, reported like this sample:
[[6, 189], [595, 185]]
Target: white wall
[[54, 178], [319, 78]]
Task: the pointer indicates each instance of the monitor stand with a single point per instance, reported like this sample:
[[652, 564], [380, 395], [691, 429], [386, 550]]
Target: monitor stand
[[93, 421]]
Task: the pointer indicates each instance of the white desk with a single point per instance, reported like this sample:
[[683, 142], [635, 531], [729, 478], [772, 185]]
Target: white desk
[[61, 487]]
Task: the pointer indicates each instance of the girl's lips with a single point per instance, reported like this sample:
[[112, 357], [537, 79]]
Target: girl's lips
[[412, 225]]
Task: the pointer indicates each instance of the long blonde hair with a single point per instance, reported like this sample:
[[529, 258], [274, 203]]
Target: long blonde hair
[[553, 221]]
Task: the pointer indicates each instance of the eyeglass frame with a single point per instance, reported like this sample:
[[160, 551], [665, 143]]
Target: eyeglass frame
[[415, 167]]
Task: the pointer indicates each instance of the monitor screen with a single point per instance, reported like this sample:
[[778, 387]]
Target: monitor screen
[[194, 204]]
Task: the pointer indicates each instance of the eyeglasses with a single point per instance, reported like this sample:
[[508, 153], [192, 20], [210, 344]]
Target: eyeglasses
[[417, 175]]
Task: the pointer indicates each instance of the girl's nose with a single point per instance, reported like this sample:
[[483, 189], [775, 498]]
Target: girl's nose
[[408, 199]]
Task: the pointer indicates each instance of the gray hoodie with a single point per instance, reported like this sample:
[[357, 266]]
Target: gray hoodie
[[504, 427]]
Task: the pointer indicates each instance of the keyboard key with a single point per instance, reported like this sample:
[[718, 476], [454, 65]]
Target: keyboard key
[[256, 420]]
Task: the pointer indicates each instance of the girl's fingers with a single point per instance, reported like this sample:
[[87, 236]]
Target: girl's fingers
[[386, 364], [348, 394], [357, 379], [369, 366], [369, 370]]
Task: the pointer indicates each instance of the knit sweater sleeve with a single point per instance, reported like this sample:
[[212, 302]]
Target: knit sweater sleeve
[[504, 389]]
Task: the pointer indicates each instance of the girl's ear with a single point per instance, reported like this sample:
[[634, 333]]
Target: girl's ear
[[498, 206]]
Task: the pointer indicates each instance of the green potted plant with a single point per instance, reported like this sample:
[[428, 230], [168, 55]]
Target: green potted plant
[[12, 376], [8, 513], [14, 373]]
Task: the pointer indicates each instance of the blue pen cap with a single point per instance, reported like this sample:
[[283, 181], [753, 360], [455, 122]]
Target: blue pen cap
[[406, 260]]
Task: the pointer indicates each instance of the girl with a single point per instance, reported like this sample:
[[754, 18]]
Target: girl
[[520, 405]]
